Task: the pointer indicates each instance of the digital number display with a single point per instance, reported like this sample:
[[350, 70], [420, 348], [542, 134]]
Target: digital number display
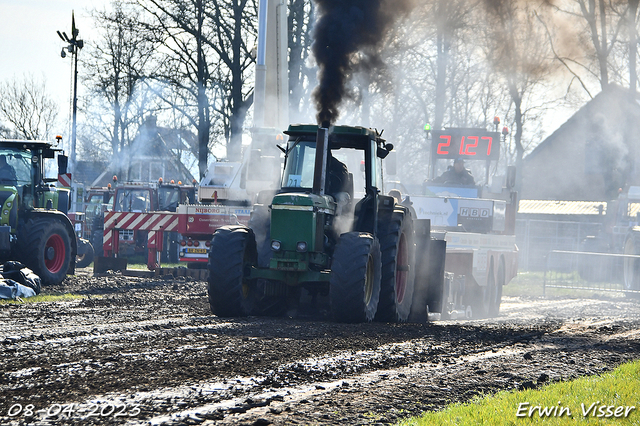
[[471, 144]]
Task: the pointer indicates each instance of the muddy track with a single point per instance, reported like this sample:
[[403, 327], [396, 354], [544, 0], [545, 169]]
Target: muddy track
[[142, 351]]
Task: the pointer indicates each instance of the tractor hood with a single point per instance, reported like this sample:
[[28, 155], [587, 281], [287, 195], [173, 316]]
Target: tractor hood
[[298, 222], [304, 202]]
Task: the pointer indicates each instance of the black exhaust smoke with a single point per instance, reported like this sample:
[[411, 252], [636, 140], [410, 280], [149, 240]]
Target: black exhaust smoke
[[345, 28]]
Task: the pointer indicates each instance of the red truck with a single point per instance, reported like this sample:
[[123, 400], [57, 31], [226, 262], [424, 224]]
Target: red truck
[[136, 198]]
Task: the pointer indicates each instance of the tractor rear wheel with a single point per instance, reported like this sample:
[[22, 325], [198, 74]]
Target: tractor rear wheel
[[398, 269], [354, 289], [232, 252], [45, 247], [85, 253]]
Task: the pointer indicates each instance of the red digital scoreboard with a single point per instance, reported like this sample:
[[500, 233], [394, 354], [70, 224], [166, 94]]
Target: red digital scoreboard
[[470, 144]]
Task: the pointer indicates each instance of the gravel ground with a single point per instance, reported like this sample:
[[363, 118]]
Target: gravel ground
[[148, 351]]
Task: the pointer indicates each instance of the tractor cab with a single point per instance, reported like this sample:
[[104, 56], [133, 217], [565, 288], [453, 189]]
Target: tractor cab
[[171, 195], [22, 173], [16, 174], [343, 174], [318, 192]]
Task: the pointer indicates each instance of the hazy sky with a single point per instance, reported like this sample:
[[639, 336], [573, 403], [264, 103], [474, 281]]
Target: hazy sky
[[29, 43]]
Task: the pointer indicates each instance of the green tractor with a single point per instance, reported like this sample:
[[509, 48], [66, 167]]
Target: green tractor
[[34, 228], [318, 238]]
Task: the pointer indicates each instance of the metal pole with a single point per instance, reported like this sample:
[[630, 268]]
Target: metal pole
[[72, 156], [544, 280], [261, 67]]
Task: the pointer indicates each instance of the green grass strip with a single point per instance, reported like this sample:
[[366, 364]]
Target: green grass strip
[[43, 298], [611, 398]]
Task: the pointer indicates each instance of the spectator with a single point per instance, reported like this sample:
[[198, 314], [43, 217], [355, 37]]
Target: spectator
[[456, 174]]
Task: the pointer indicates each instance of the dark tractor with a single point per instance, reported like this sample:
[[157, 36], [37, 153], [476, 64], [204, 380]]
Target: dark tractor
[[318, 239], [34, 227]]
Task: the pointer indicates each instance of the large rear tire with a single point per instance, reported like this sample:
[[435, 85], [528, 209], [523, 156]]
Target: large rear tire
[[429, 289], [398, 268], [45, 247], [354, 289], [233, 251]]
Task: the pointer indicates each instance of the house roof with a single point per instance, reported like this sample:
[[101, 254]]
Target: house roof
[[612, 95], [88, 171]]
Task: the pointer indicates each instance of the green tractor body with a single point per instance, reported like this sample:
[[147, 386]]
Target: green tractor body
[[326, 232], [34, 228], [298, 229]]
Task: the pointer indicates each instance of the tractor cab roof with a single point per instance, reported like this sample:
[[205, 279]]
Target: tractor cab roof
[[47, 149], [354, 137]]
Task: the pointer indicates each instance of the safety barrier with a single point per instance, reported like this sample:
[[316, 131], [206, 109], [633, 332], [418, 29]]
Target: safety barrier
[[603, 272], [155, 224]]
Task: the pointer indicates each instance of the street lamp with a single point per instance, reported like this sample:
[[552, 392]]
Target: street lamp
[[74, 44]]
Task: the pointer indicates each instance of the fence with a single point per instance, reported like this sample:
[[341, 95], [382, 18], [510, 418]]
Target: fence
[[536, 238], [603, 272]]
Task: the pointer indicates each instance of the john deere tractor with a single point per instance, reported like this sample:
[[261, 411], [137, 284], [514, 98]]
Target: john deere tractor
[[34, 228], [319, 238]]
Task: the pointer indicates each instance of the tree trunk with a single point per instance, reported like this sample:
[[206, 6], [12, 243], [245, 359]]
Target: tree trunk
[[296, 53], [633, 45], [442, 46], [516, 98], [602, 51], [238, 107], [203, 102]]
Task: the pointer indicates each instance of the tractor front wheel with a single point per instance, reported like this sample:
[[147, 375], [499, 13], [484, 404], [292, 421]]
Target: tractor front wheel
[[354, 289], [45, 247], [233, 250]]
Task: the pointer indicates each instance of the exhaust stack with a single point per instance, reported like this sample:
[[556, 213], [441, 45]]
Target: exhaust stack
[[320, 169]]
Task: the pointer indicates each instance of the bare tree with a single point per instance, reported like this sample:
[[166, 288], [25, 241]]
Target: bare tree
[[207, 57], [27, 108], [5, 132], [301, 76], [632, 28], [595, 25], [116, 65], [449, 17], [517, 50]]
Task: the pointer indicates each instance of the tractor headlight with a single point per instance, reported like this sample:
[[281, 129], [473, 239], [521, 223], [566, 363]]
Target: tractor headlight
[[275, 245], [9, 204], [6, 212], [301, 246]]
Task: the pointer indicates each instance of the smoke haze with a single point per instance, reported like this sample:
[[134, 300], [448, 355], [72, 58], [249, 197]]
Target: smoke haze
[[344, 29]]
